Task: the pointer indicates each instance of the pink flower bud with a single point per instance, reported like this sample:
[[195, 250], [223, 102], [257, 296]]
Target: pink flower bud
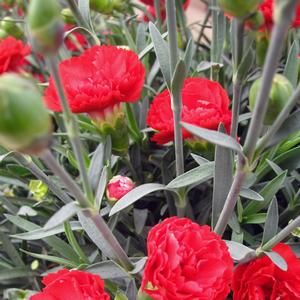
[[118, 187]]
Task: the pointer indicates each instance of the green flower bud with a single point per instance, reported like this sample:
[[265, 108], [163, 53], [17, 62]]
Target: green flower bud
[[239, 8], [262, 44], [112, 122], [68, 16], [9, 25], [25, 123], [280, 93], [256, 20], [102, 6], [3, 34], [119, 5], [45, 25]]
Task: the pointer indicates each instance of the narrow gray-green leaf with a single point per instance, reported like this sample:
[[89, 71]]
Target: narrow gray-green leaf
[[136, 194], [238, 251], [197, 175], [4, 156], [55, 259], [62, 215], [140, 217], [292, 64], [8, 274], [268, 192], [84, 8], [95, 235], [199, 159], [179, 76], [189, 54], [290, 125], [101, 187], [10, 250], [277, 259], [250, 194], [271, 225], [54, 242], [107, 270], [246, 64], [150, 47], [139, 266], [289, 190], [162, 52], [222, 178], [41, 233], [214, 137]]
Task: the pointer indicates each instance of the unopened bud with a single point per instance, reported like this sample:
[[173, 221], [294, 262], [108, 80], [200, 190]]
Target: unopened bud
[[280, 93], [25, 123], [239, 8], [45, 25], [3, 34], [68, 16], [102, 6], [9, 25], [112, 122], [118, 187]]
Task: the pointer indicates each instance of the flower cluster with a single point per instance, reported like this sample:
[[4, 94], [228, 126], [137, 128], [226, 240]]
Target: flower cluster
[[204, 103], [186, 261], [12, 55], [66, 284]]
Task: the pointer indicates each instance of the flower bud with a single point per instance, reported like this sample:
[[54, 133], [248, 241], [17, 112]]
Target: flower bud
[[119, 5], [262, 44], [112, 122], [9, 25], [280, 93], [3, 34], [256, 20], [239, 8], [102, 6], [45, 25], [118, 187], [68, 16], [25, 123]]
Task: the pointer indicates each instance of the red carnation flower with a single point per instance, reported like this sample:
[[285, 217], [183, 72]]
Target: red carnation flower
[[12, 55], [261, 279], [267, 8], [99, 78], [65, 285], [205, 104], [186, 261], [80, 39]]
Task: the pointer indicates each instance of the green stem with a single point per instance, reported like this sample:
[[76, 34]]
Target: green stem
[[50, 161], [238, 39], [273, 55], [175, 98], [27, 162], [232, 197], [172, 34], [157, 12], [283, 234], [72, 129]]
